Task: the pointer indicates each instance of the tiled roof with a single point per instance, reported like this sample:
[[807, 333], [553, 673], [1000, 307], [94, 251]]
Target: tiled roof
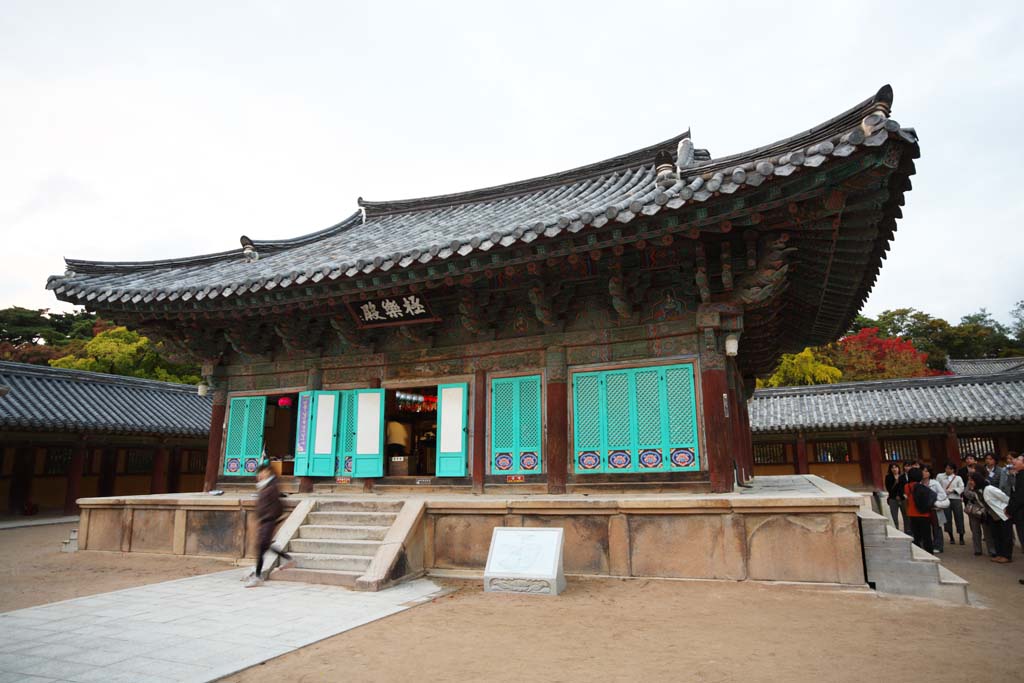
[[984, 366], [53, 399], [395, 235], [958, 400]]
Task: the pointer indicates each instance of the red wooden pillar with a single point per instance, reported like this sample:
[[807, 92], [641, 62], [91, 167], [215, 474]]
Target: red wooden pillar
[[801, 454], [874, 458], [75, 471], [952, 446], [158, 479], [715, 394], [556, 444], [479, 429], [217, 415]]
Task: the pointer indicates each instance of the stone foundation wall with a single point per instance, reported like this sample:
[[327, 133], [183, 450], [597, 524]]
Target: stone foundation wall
[[178, 525]]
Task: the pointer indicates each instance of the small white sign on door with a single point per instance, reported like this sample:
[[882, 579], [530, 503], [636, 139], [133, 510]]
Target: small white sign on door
[[525, 560]]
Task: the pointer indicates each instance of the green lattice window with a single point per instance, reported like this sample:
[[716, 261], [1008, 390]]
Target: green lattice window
[[635, 420], [244, 445], [831, 451], [770, 454], [138, 461], [516, 427]]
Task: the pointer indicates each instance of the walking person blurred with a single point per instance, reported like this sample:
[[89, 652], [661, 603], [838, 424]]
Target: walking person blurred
[[895, 481], [938, 512], [953, 485], [995, 501], [269, 510]]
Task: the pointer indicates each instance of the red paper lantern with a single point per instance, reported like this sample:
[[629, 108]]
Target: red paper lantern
[[284, 402]]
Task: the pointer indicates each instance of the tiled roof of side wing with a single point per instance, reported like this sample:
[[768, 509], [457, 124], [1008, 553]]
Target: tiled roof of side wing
[[984, 366], [53, 399], [402, 233], [890, 403]]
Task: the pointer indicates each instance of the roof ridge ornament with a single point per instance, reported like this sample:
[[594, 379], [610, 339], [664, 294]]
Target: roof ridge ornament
[[684, 154], [249, 250]]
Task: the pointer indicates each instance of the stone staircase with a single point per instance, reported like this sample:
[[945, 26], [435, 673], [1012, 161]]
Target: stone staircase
[[337, 541], [895, 565]]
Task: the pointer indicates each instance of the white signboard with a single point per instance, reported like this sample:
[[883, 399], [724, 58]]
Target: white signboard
[[525, 560]]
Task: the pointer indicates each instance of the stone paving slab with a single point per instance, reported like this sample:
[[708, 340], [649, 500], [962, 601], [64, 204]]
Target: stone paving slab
[[195, 629]]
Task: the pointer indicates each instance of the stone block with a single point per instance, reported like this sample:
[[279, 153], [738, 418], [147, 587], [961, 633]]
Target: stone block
[[687, 546], [586, 540], [214, 532], [805, 547], [461, 541], [153, 531], [104, 529], [525, 560]]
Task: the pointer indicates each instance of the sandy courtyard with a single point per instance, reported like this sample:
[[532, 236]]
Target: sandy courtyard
[[680, 631], [33, 571]]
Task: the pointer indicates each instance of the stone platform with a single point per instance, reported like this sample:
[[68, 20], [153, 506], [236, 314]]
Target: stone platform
[[786, 528]]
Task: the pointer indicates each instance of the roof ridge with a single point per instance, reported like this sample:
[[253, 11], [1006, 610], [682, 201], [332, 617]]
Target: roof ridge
[[15, 368], [264, 247], [895, 383], [620, 162]]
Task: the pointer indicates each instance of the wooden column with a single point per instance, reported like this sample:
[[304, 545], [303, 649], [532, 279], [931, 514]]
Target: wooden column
[[801, 454], [715, 394], [217, 415], [479, 466], [75, 471], [556, 443], [174, 471], [1002, 445], [874, 458], [952, 446], [21, 479], [158, 479]]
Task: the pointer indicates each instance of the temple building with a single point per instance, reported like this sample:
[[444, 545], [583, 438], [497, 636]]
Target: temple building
[[66, 434], [850, 432], [596, 329]]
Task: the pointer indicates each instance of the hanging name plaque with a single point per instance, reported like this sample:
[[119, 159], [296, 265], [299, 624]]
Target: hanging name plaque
[[392, 310]]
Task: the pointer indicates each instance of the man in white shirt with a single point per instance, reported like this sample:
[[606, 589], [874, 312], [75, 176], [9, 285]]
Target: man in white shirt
[[953, 485]]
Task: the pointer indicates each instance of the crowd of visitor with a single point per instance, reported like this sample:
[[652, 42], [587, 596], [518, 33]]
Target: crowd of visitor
[[932, 505]]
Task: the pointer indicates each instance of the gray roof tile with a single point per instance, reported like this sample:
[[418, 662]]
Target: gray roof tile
[[958, 400], [54, 399], [984, 366]]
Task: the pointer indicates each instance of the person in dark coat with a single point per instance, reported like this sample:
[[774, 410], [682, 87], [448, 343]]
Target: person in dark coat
[[269, 510], [1015, 508], [895, 481]]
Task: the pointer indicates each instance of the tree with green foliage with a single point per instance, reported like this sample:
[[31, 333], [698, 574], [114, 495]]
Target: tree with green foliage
[[121, 351], [1017, 316], [801, 369]]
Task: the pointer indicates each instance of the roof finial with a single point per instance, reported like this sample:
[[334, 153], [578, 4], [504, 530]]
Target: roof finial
[[249, 250], [684, 154]]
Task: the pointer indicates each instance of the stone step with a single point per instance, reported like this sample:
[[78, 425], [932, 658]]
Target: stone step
[[323, 546], [328, 577], [366, 533], [922, 555], [344, 563], [359, 505], [352, 518]]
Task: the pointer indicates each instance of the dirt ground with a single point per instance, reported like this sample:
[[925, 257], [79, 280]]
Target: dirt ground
[[619, 630], [33, 571]]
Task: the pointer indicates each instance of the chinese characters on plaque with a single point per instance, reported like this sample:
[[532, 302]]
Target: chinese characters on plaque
[[409, 308]]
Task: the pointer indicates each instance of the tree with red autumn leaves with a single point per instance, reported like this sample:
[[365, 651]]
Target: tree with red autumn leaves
[[865, 355]]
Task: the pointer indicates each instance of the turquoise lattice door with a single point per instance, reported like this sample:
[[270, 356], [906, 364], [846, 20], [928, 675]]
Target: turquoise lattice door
[[452, 432], [347, 434], [368, 433], [516, 430], [635, 420], [245, 435]]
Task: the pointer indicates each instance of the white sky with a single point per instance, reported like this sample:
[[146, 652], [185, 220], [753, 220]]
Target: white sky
[[132, 131]]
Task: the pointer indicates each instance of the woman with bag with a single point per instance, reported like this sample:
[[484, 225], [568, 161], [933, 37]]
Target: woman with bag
[[977, 514], [938, 514], [894, 483], [920, 501]]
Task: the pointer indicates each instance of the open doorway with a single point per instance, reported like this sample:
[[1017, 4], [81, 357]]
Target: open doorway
[[411, 432], [279, 427]]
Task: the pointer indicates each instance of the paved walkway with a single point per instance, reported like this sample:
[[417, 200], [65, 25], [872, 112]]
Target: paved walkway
[[36, 521], [195, 629]]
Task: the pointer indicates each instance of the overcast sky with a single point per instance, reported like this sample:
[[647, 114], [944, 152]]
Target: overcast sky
[[132, 131]]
